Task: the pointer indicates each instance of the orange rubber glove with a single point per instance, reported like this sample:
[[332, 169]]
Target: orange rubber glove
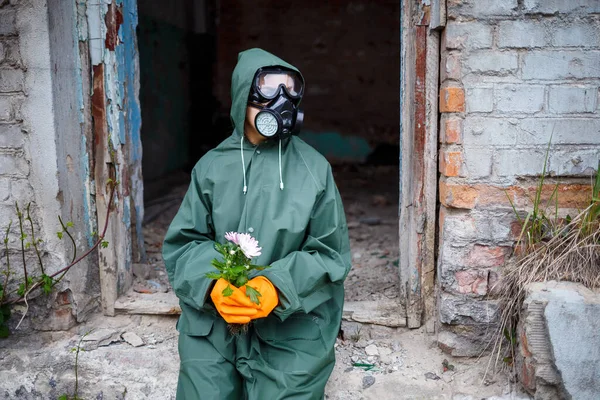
[[235, 309], [268, 296]]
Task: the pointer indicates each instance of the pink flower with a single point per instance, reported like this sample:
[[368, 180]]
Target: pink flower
[[232, 237], [249, 245]]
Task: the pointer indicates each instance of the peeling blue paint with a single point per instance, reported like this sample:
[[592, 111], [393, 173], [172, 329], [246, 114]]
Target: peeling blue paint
[[126, 211], [334, 145], [87, 198], [129, 40]]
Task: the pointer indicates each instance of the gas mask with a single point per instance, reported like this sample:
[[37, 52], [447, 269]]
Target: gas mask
[[276, 92]]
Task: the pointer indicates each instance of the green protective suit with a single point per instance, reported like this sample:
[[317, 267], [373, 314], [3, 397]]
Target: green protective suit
[[304, 238]]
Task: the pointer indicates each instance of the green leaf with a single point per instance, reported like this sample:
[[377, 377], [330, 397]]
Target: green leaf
[[213, 275], [63, 397], [5, 311], [27, 245], [4, 332], [104, 244], [69, 224], [21, 290], [253, 294], [23, 236], [59, 234], [241, 281], [228, 291]]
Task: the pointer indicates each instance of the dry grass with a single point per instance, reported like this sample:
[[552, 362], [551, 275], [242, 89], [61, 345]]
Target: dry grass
[[549, 248]]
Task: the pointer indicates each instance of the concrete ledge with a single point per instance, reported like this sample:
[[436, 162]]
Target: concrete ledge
[[559, 341]]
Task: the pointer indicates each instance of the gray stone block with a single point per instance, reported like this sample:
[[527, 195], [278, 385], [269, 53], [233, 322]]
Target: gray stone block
[[484, 8], [520, 98], [577, 34], [572, 99], [562, 6], [468, 35], [522, 162], [8, 25], [13, 165], [11, 80], [489, 131], [537, 131], [480, 99], [478, 162], [561, 64], [575, 161], [490, 62], [521, 34], [11, 136], [465, 310]]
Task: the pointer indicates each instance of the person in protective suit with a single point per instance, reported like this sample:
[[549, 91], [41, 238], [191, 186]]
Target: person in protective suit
[[265, 181]]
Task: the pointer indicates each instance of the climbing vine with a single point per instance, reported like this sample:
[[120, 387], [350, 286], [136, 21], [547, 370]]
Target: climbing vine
[[43, 281]]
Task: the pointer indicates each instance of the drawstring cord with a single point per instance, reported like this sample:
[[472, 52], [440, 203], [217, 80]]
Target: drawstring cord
[[243, 163], [280, 174], [244, 166]]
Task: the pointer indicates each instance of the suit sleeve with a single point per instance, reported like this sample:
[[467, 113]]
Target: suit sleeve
[[188, 247], [311, 276]]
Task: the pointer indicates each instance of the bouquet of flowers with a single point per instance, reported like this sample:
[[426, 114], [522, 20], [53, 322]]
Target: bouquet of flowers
[[237, 253]]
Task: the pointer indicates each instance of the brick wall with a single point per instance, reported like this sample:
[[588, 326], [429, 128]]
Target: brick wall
[[28, 158], [348, 52], [512, 73], [14, 165]]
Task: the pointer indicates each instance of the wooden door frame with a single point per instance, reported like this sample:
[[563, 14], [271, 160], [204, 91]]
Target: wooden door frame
[[419, 88]]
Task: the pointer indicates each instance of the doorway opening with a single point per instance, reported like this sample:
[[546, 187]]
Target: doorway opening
[[349, 54]]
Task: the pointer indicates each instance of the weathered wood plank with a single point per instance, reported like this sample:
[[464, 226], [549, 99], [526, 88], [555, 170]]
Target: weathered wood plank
[[143, 303], [387, 313]]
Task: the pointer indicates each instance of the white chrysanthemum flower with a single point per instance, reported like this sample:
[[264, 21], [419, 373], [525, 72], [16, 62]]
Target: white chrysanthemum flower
[[232, 237], [249, 245]]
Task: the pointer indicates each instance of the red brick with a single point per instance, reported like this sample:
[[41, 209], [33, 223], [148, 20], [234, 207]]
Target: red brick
[[487, 256], [451, 163], [458, 195], [472, 282], [452, 99], [452, 131]]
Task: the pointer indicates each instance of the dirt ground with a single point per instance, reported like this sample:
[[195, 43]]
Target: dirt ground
[[370, 198]]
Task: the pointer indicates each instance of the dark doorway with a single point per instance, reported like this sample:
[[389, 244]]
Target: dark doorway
[[349, 54]]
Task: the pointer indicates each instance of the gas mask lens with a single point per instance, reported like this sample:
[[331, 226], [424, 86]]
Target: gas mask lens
[[269, 82]]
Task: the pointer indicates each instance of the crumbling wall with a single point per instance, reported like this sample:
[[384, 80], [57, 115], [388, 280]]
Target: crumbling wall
[[513, 75], [43, 160]]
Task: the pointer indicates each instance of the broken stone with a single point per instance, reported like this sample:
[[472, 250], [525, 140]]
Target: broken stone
[[432, 376], [100, 337], [384, 351], [371, 221], [132, 339], [371, 350], [368, 381], [385, 359]]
